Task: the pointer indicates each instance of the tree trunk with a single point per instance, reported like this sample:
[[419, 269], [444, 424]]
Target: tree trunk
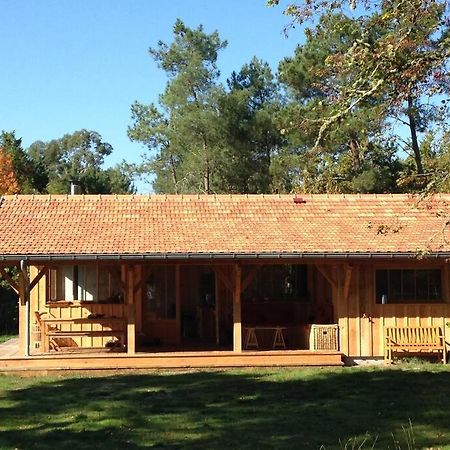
[[414, 140], [174, 174], [354, 153], [206, 179], [207, 175]]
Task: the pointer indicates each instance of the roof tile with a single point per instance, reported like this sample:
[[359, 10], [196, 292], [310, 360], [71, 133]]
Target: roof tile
[[117, 224]]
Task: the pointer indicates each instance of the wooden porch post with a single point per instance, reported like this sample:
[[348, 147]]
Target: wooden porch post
[[24, 313], [217, 307], [131, 312], [178, 301], [237, 314], [138, 296], [342, 275]]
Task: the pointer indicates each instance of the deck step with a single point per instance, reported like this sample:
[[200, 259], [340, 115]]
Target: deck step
[[181, 360]]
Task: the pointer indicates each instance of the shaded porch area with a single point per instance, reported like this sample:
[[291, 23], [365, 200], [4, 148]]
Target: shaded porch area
[[181, 307]]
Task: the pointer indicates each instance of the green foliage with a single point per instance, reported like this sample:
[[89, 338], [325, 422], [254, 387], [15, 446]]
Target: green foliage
[[361, 106], [250, 135], [203, 137], [435, 152], [352, 157], [78, 158], [383, 66], [184, 132], [30, 176], [329, 126]]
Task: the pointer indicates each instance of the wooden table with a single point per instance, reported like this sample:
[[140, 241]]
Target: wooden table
[[251, 340], [109, 327]]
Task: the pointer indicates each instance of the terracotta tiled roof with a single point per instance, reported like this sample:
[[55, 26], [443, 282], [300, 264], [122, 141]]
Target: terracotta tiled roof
[[165, 225]]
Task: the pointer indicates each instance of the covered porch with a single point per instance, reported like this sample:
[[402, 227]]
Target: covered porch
[[177, 314]]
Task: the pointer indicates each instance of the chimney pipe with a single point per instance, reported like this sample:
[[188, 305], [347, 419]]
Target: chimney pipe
[[74, 189]]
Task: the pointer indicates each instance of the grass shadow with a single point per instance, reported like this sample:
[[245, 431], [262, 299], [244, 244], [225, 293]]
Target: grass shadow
[[278, 408]]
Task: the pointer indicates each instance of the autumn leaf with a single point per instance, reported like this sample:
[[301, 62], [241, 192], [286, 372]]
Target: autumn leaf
[[8, 180]]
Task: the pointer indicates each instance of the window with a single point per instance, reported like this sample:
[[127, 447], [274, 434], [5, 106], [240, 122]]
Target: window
[[84, 283], [278, 282], [159, 294], [207, 289], [408, 285]]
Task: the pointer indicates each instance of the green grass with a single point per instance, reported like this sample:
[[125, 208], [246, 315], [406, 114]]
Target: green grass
[[6, 337], [251, 409]]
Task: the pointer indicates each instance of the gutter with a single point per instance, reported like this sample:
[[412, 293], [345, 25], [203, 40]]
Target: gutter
[[219, 256]]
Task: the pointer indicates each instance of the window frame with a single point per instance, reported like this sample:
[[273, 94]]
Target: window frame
[[299, 276], [408, 301], [54, 284], [159, 293]]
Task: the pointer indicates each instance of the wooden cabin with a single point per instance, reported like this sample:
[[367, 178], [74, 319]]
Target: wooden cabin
[[235, 274]]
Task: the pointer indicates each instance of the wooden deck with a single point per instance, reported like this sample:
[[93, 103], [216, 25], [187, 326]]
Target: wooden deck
[[10, 361]]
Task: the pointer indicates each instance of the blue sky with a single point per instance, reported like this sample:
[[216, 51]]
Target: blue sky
[[73, 64]]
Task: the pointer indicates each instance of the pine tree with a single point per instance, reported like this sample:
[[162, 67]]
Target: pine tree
[[183, 134]]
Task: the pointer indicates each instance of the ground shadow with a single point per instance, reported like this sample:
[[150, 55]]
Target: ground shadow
[[283, 408]]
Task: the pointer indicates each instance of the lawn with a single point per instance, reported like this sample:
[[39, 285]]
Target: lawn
[[6, 337], [252, 408]]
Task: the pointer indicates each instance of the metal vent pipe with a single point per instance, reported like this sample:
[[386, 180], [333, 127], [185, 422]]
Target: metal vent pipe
[[74, 189]]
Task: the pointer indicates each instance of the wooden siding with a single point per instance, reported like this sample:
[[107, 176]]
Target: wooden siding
[[349, 285], [362, 320], [69, 310]]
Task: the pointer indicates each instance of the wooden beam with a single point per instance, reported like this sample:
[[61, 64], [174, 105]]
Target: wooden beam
[[327, 274], [38, 277], [23, 314], [249, 278], [137, 294], [138, 285], [123, 279], [223, 278], [347, 280], [131, 313], [342, 311], [14, 286], [237, 312], [445, 284], [217, 308], [178, 300]]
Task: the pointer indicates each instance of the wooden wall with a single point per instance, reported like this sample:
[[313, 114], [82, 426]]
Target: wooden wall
[[349, 285], [73, 310], [362, 321]]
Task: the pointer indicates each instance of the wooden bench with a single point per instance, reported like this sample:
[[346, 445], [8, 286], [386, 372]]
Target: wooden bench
[[51, 335], [414, 340], [109, 327]]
